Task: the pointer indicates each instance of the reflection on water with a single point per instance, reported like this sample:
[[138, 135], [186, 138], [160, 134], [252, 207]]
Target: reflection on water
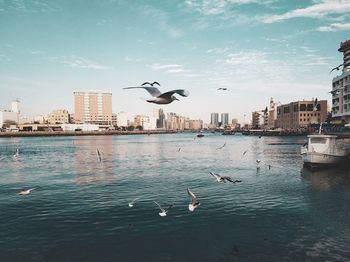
[[80, 208]]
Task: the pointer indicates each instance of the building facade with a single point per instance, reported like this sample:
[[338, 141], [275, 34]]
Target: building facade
[[93, 107], [224, 119], [341, 88], [59, 116], [214, 119], [301, 114]]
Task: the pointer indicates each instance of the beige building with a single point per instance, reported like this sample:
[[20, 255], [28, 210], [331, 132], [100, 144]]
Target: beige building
[[93, 107], [301, 114], [59, 116], [194, 124], [341, 87]]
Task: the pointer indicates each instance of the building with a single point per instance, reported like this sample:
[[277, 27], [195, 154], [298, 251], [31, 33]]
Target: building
[[341, 88], [257, 119], [146, 122], [195, 124], [224, 119], [59, 116], [175, 122], [272, 115], [214, 119], [301, 114], [122, 119], [11, 116], [93, 107]]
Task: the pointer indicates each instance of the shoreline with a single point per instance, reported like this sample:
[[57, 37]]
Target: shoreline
[[82, 133]]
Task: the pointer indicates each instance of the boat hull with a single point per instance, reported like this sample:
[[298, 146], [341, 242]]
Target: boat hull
[[318, 159]]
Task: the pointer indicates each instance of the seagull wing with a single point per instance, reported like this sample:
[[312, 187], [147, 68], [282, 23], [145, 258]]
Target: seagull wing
[[181, 92], [161, 209], [155, 83], [132, 202], [150, 89], [192, 196], [217, 176], [228, 178], [169, 207]]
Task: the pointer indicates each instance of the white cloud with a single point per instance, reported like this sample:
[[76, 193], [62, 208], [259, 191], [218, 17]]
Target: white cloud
[[130, 59], [79, 62], [317, 10], [165, 67], [334, 27]]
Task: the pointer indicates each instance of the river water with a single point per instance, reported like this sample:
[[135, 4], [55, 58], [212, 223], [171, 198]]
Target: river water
[[79, 210]]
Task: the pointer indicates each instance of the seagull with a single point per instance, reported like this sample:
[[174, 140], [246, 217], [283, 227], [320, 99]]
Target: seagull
[[257, 164], [151, 84], [258, 161], [98, 155], [224, 178], [161, 98], [164, 211], [269, 166], [222, 88], [245, 152], [16, 153], [131, 204], [179, 149], [221, 147], [194, 202], [26, 192], [336, 68]]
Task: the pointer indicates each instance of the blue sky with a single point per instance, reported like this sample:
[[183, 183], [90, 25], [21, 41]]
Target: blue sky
[[256, 48]]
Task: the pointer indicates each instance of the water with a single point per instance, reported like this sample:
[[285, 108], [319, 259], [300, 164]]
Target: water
[[79, 209]]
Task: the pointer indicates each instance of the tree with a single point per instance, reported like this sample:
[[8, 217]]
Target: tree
[[130, 128], [139, 128], [7, 123]]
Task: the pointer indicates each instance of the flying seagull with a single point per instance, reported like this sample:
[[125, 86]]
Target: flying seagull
[[221, 147], [98, 155], [245, 152], [194, 202], [179, 149], [336, 68], [224, 178], [164, 211], [151, 84], [26, 192], [161, 98], [222, 88], [131, 204]]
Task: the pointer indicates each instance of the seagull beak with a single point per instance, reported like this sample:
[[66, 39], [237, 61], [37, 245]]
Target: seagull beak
[[177, 99]]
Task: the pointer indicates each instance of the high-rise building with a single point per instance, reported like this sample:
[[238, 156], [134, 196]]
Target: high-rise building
[[160, 116], [301, 114], [93, 107], [224, 119], [272, 114], [341, 87], [257, 119], [214, 119]]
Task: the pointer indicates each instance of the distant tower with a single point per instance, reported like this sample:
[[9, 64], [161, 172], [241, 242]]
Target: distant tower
[[15, 106], [345, 49]]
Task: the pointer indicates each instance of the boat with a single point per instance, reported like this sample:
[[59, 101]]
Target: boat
[[200, 134], [323, 150]]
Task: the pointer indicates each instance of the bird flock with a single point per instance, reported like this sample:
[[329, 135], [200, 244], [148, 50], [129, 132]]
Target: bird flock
[[194, 202]]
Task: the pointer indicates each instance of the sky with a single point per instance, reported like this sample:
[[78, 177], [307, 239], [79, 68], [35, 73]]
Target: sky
[[256, 48]]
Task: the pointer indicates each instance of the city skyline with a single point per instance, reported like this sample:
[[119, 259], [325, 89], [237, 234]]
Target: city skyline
[[256, 49]]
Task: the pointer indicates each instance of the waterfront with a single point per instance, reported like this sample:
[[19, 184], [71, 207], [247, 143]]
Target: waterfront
[[79, 209]]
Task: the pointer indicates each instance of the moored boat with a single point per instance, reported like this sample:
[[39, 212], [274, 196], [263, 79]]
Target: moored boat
[[323, 150]]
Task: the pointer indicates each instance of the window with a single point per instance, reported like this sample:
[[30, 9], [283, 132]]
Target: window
[[286, 110], [296, 108], [310, 107], [318, 140], [302, 107]]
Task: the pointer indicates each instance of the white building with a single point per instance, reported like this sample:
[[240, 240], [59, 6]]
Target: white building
[[122, 119], [11, 115], [82, 127]]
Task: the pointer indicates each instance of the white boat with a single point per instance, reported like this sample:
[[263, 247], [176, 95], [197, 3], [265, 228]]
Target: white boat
[[323, 150]]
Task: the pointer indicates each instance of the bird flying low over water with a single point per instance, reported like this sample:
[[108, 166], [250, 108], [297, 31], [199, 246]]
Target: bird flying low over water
[[158, 97], [163, 212], [25, 191], [131, 204], [98, 155], [224, 178], [16, 153], [194, 202], [221, 147]]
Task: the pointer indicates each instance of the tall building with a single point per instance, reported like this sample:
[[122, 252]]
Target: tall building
[[214, 119], [341, 88], [10, 116], [160, 116], [272, 114], [257, 121], [59, 116], [224, 119], [93, 107], [301, 114]]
